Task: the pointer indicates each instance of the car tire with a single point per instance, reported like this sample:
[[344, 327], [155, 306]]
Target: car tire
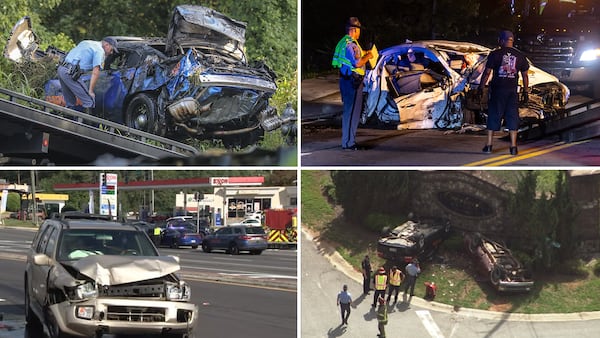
[[233, 249], [495, 275], [141, 113], [174, 244], [194, 247], [206, 248], [53, 328], [256, 252]]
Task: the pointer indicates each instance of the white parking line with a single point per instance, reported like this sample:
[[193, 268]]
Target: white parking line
[[430, 325]]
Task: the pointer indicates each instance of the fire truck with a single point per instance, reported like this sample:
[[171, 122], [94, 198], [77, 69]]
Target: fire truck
[[282, 228]]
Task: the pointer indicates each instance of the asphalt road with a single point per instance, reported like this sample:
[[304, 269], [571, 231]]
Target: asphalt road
[[250, 295], [321, 135], [324, 273]]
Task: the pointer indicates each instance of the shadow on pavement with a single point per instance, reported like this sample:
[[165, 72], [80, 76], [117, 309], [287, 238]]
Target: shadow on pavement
[[336, 332]]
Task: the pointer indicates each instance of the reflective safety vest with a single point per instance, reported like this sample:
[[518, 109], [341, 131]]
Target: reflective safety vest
[[339, 56], [395, 278], [157, 231], [380, 282]]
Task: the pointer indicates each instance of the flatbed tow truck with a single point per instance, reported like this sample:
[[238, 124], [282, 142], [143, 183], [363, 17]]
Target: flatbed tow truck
[[36, 132]]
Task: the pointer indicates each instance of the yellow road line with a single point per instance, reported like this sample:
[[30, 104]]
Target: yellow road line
[[529, 153]]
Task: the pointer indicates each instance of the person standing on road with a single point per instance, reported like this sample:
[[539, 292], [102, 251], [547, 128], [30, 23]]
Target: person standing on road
[[505, 64], [412, 272], [382, 318], [156, 235], [87, 55], [396, 277], [366, 272], [380, 280], [344, 300], [351, 59]]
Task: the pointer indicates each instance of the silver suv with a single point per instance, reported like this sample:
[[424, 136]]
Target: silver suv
[[88, 276]]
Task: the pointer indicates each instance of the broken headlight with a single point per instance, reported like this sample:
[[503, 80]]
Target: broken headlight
[[83, 291], [179, 291]]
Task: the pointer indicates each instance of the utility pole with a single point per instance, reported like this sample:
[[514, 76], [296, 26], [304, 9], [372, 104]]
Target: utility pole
[[35, 218]]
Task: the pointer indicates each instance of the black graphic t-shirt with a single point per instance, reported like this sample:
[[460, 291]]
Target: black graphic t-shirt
[[507, 63]]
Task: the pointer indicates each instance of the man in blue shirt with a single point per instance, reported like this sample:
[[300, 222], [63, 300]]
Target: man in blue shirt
[[344, 300], [412, 272], [86, 56]]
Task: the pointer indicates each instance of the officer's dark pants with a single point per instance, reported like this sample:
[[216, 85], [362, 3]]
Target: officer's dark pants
[[366, 284], [410, 283], [345, 312], [352, 96]]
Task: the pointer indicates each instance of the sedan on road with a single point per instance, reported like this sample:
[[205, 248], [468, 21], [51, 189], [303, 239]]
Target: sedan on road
[[234, 239], [437, 91], [181, 234]]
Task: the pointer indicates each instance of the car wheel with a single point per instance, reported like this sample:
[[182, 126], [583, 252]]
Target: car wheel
[[206, 247], [174, 244], [53, 328], [256, 252], [141, 113], [495, 275], [233, 249], [194, 247]]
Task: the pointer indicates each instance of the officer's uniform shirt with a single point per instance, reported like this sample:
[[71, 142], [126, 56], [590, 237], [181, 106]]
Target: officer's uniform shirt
[[89, 53]]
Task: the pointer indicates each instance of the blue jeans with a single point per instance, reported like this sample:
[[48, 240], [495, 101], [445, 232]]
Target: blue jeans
[[352, 103]]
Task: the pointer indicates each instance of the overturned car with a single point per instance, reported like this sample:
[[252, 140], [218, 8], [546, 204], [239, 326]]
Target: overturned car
[[196, 82], [87, 276], [495, 261], [412, 239], [437, 91]]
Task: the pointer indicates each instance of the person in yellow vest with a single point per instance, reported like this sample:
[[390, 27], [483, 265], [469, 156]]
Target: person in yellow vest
[[380, 280], [351, 59], [156, 235], [396, 278]]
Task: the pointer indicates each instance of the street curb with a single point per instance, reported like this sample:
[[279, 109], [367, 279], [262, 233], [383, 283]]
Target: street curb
[[342, 265]]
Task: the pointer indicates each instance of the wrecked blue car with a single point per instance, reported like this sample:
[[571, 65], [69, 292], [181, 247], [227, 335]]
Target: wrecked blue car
[[196, 82]]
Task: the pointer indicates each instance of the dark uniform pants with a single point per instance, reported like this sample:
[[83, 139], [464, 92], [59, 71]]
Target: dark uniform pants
[[345, 312]]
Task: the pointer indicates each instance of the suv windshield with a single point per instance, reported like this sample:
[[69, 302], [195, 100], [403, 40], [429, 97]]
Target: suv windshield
[[78, 243]]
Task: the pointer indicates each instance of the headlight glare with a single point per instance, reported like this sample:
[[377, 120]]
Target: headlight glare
[[590, 55]]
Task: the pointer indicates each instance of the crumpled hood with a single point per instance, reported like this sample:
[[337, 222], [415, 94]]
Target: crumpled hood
[[114, 270], [197, 26], [22, 42]]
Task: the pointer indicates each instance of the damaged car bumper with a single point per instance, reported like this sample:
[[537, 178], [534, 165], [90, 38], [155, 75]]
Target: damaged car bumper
[[124, 316]]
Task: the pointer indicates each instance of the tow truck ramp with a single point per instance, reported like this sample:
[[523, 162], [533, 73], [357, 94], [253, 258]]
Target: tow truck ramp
[[576, 123], [71, 137]]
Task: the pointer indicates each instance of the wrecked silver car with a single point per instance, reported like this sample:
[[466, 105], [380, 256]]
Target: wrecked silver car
[[197, 82], [437, 91], [87, 276]]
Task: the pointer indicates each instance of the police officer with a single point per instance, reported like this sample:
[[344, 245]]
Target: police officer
[[366, 272], [380, 280], [396, 277], [87, 55], [344, 300], [351, 59]]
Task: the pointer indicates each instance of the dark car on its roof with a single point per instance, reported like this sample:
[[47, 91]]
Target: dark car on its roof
[[412, 239], [234, 239], [87, 275]]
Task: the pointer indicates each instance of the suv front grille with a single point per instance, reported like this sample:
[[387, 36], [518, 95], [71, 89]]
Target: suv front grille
[[135, 314], [551, 51]]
